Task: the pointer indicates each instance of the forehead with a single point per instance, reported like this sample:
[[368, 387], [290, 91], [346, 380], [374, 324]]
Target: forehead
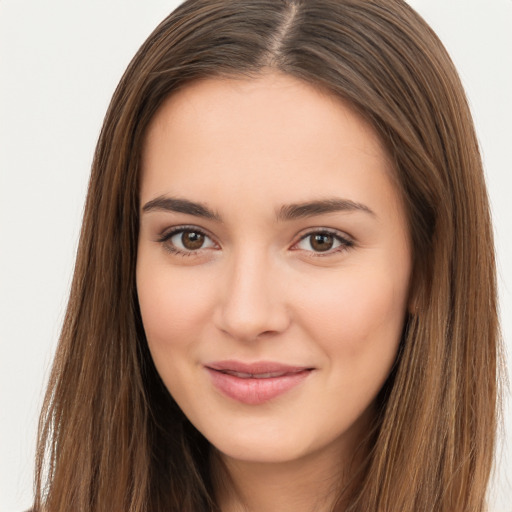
[[262, 139], [272, 103]]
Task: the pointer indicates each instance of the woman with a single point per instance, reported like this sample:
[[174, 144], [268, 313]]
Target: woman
[[284, 296]]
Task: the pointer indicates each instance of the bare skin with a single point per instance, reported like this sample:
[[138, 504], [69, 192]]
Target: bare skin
[[273, 279], [308, 485]]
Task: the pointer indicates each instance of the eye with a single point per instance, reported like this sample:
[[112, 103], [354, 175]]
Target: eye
[[323, 242], [186, 241]]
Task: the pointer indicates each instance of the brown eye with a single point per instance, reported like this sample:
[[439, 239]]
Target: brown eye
[[321, 242], [187, 241], [192, 240]]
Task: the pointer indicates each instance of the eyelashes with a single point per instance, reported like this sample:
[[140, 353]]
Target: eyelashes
[[186, 241], [191, 241], [323, 241]]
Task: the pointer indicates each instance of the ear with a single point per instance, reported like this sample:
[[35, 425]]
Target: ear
[[413, 301]]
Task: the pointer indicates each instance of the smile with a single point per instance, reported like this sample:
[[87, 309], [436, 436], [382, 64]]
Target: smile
[[256, 383], [242, 375]]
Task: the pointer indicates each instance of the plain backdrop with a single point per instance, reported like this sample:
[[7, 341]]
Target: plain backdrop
[[60, 61]]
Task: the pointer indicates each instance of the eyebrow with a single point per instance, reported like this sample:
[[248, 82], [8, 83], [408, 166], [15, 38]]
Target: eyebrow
[[320, 207], [174, 204], [286, 212]]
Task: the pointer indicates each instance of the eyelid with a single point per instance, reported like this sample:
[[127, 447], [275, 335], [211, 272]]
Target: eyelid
[[168, 233], [346, 241]]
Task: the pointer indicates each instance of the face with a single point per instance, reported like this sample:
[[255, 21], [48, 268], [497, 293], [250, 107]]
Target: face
[[273, 264]]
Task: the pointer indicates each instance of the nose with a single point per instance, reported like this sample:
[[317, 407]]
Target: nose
[[252, 302]]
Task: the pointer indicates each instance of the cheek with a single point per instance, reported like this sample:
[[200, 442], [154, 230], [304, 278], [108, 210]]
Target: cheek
[[358, 326], [357, 319], [173, 308]]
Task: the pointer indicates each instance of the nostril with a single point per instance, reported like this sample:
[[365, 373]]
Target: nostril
[[256, 325]]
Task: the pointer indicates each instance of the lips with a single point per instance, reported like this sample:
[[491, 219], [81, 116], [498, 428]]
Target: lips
[[255, 383]]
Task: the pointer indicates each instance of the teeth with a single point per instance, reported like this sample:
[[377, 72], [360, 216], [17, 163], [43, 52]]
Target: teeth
[[241, 375]]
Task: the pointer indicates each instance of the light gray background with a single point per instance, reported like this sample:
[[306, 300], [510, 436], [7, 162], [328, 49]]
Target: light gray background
[[59, 63]]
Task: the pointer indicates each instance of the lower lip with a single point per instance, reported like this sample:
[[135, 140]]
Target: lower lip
[[255, 391]]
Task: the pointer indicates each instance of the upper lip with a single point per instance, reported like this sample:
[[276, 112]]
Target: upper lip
[[256, 368]]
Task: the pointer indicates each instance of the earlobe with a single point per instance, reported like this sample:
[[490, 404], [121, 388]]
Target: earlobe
[[413, 302], [415, 292], [412, 306]]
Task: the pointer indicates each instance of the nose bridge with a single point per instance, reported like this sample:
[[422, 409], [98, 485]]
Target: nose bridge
[[251, 303]]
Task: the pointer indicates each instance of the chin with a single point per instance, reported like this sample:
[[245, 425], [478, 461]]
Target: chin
[[262, 452], [267, 447]]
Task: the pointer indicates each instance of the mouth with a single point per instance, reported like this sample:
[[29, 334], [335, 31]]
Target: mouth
[[255, 383], [268, 375]]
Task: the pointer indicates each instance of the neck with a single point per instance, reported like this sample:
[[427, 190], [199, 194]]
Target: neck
[[251, 487]]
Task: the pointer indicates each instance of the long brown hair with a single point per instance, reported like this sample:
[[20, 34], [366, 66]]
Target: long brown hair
[[111, 437]]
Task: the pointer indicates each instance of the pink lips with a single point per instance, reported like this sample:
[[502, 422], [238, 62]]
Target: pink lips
[[255, 383]]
